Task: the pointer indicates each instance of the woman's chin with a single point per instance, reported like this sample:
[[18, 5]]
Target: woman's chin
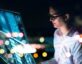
[[55, 26]]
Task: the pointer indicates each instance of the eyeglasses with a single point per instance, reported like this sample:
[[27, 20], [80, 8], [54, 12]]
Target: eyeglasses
[[53, 17]]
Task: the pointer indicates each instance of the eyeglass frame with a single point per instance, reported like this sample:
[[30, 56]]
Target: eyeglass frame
[[52, 17]]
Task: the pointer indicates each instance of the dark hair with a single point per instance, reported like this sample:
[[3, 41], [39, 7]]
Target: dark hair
[[64, 8]]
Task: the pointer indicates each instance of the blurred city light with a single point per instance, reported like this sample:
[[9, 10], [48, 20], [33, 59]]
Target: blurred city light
[[2, 51], [22, 49], [80, 35], [1, 42], [21, 34], [8, 34], [42, 39], [24, 41], [15, 34], [6, 42], [12, 51], [44, 54], [35, 55]]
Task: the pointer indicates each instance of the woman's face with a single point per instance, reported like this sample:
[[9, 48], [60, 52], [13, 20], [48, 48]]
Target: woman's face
[[57, 20]]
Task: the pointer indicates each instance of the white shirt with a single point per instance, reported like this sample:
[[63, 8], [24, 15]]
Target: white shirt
[[67, 49]]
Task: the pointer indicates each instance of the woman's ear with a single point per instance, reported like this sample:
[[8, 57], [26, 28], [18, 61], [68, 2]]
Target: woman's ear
[[66, 17]]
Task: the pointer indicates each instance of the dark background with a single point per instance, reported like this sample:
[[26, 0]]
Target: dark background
[[34, 14]]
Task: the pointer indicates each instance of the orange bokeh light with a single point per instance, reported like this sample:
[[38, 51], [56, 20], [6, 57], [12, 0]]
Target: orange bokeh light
[[35, 55]]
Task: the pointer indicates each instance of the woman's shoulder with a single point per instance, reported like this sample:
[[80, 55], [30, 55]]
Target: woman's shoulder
[[73, 32]]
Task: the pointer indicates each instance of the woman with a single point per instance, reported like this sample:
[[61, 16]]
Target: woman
[[67, 48]]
